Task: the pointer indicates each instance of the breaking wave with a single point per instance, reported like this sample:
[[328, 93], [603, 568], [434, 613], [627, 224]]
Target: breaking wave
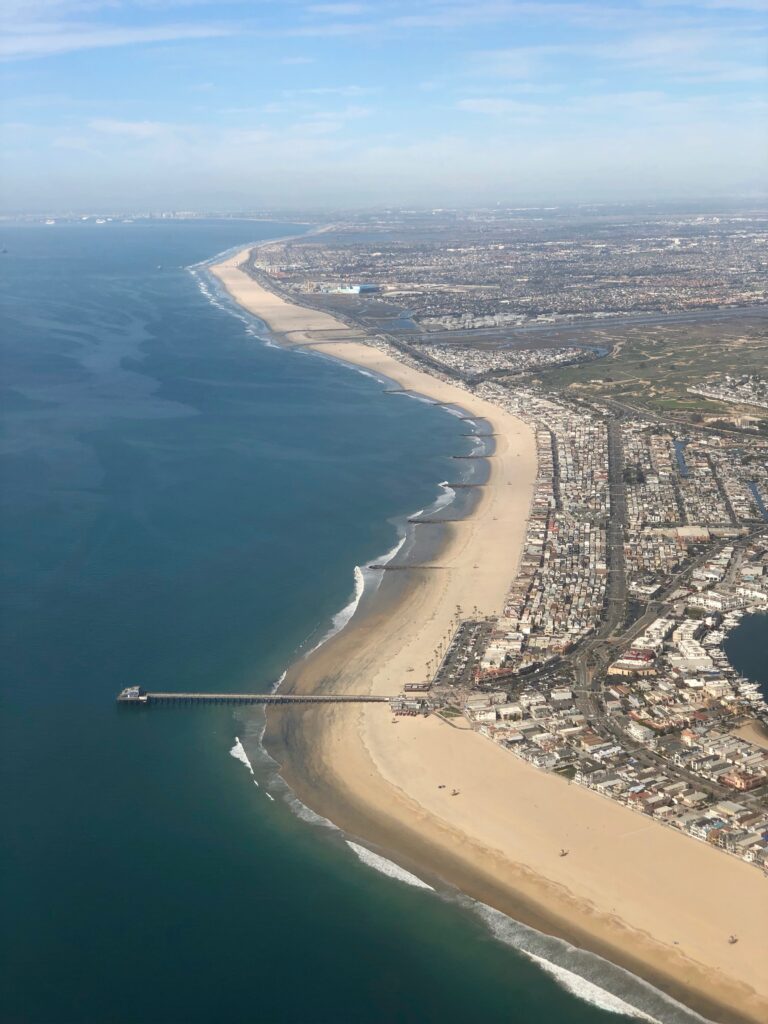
[[445, 498], [442, 501], [387, 558], [582, 974], [369, 373], [424, 399], [340, 619], [585, 975], [238, 752], [276, 685], [588, 991], [455, 410], [363, 578], [224, 255], [216, 294], [386, 867], [303, 812]]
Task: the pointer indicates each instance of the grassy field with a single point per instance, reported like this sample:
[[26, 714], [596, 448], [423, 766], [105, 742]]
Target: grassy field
[[653, 366]]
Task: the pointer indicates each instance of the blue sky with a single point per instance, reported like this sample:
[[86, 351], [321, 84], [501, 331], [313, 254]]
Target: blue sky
[[178, 104]]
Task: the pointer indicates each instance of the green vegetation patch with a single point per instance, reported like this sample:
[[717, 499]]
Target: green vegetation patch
[[652, 367]]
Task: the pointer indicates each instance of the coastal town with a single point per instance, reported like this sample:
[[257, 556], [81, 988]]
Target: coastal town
[[646, 543], [470, 270], [654, 717], [385, 512]]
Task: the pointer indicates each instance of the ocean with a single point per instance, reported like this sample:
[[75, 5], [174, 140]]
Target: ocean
[[184, 506]]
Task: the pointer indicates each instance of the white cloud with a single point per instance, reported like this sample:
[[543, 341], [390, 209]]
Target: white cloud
[[556, 97], [43, 40], [328, 122], [498, 105], [705, 52], [131, 129], [520, 62], [326, 30], [338, 10], [330, 90], [690, 152]]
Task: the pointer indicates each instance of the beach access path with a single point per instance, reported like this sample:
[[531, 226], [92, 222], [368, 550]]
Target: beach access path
[[641, 894]]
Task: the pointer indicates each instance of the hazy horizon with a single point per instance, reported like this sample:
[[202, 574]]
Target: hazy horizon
[[183, 104]]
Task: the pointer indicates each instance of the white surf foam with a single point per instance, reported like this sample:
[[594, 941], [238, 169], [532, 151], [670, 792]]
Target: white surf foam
[[416, 397], [445, 498], [588, 991], [238, 752], [224, 255], [387, 558], [256, 783], [214, 292], [586, 975], [341, 618], [367, 373], [303, 812], [386, 867], [479, 448], [276, 685], [365, 578]]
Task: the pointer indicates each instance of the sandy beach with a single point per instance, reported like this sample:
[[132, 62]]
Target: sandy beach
[[638, 893]]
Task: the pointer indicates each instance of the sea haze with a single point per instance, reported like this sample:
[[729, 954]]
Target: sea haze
[[183, 506]]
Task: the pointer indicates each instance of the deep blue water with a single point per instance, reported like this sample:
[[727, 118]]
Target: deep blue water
[[746, 647], [182, 506]]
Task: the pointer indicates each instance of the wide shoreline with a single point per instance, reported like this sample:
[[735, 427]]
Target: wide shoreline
[[499, 840]]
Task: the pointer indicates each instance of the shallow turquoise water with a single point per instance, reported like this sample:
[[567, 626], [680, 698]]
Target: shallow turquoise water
[[183, 506]]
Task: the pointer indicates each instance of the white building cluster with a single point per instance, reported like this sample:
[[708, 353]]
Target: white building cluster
[[558, 594], [749, 389], [472, 361], [675, 706], [680, 494]]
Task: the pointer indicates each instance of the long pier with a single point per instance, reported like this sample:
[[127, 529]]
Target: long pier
[[137, 696]]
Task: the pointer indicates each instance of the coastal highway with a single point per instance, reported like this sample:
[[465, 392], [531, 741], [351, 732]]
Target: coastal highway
[[587, 662]]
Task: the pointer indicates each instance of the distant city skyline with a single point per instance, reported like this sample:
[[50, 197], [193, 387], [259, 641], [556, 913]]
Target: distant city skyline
[[182, 104]]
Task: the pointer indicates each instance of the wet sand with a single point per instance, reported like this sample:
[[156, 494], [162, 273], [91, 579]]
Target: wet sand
[[639, 893]]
